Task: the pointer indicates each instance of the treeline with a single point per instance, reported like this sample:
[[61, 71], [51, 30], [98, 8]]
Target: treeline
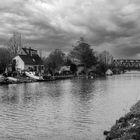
[[82, 55], [4, 59]]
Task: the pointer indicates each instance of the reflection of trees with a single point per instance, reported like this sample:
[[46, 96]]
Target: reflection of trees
[[84, 89], [14, 94], [9, 98], [31, 92], [83, 94], [10, 95], [20, 94], [26, 94], [55, 90]]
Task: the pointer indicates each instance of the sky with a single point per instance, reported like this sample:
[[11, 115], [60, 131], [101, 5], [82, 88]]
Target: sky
[[111, 25]]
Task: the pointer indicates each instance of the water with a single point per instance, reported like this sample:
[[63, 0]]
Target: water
[[76, 109]]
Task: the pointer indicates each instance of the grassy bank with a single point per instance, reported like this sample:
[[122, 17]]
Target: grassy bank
[[127, 127]]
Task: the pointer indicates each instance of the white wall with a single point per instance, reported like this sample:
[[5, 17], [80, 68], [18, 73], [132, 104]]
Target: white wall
[[19, 63], [27, 67]]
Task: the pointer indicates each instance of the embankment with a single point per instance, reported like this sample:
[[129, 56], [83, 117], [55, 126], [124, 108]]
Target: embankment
[[127, 127]]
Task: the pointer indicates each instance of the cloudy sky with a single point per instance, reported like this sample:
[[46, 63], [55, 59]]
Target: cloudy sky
[[112, 25]]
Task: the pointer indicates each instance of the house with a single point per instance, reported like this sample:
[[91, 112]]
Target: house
[[109, 72], [64, 70], [29, 60]]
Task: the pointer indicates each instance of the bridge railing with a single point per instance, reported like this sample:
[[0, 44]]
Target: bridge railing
[[127, 63]]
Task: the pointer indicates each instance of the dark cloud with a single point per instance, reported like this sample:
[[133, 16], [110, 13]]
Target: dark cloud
[[50, 24], [125, 52]]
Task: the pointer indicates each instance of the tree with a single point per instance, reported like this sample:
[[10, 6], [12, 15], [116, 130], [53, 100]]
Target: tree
[[106, 58], [73, 67], [105, 61], [54, 61], [4, 59], [83, 52], [14, 44]]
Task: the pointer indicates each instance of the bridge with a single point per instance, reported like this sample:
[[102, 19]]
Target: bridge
[[128, 64]]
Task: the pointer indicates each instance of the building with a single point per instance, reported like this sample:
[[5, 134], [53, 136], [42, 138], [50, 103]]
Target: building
[[29, 60], [64, 70]]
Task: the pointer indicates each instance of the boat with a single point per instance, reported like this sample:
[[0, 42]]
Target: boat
[[8, 80], [31, 75], [12, 79]]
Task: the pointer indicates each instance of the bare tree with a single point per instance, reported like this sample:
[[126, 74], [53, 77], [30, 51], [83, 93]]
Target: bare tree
[[14, 45], [106, 58]]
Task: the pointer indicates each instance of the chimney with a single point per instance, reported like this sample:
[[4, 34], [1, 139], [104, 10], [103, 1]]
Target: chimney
[[30, 53]]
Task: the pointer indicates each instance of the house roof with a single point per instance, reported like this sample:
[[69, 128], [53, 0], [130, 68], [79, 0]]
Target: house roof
[[26, 50], [37, 59], [31, 60]]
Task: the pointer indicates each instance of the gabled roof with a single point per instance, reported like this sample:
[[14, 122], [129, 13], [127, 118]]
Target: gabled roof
[[37, 59], [31, 60], [24, 49], [27, 59], [28, 50]]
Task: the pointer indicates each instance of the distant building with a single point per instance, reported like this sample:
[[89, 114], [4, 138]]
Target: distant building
[[76, 61], [64, 69], [29, 60]]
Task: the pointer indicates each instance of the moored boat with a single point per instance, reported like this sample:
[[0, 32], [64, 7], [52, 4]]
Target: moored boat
[[31, 75], [12, 79]]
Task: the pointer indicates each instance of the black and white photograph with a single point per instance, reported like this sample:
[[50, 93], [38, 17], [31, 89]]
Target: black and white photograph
[[69, 69]]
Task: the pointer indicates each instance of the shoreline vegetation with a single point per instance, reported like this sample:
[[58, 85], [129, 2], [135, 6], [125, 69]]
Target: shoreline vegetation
[[20, 63], [127, 127]]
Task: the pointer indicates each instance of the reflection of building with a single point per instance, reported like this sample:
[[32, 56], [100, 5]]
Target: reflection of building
[[28, 59]]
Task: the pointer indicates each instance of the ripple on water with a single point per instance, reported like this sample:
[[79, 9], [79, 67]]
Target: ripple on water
[[76, 109]]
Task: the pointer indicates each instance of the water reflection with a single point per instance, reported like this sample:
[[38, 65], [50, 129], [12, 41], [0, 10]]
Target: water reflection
[[67, 110], [84, 89], [10, 95]]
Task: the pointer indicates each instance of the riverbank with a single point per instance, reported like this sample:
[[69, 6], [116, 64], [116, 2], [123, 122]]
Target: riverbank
[[19, 79], [127, 127]]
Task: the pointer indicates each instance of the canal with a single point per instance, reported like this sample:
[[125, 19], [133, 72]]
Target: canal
[[76, 109]]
